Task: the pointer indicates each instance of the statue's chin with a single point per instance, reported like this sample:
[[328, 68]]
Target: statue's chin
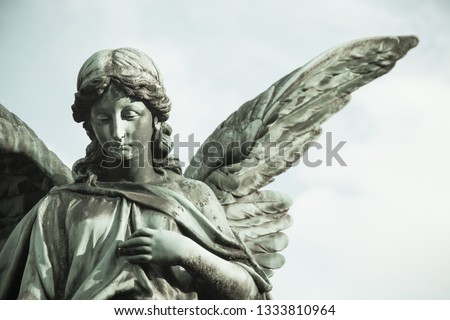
[[122, 153], [125, 156], [129, 157]]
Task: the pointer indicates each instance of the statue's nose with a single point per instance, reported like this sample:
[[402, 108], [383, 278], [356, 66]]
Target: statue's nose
[[118, 128]]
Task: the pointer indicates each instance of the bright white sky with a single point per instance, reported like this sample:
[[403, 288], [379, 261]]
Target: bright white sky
[[376, 229]]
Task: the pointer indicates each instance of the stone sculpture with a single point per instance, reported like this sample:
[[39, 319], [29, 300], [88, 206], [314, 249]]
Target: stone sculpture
[[125, 223]]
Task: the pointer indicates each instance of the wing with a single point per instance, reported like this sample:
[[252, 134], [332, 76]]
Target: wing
[[28, 170], [269, 133]]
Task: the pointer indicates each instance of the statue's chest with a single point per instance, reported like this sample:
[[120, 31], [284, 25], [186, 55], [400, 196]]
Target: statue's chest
[[157, 220]]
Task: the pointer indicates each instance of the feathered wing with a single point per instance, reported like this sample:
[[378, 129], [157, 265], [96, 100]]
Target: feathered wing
[[28, 170], [269, 133]]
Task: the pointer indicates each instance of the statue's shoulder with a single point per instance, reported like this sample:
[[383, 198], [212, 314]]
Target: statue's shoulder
[[194, 190], [63, 194]]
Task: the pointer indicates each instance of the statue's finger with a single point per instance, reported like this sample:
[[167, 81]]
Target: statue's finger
[[142, 258], [143, 232], [136, 242], [130, 251]]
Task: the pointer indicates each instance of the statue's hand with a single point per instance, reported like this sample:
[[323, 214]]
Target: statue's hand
[[156, 246]]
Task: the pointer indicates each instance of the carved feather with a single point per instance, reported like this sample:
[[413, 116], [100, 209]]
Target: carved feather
[[28, 170], [266, 135], [259, 219], [290, 112]]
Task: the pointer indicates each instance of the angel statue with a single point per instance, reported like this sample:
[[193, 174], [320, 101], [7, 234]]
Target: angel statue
[[126, 223]]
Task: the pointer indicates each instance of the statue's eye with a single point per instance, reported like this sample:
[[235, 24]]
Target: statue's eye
[[102, 118], [129, 114]]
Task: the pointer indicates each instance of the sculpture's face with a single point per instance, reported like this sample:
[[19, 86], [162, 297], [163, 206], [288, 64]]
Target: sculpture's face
[[123, 126]]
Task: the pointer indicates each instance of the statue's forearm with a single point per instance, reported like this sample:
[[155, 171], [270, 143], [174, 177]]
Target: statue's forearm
[[225, 280]]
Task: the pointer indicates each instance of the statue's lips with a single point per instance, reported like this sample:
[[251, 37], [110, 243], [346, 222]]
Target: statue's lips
[[120, 145]]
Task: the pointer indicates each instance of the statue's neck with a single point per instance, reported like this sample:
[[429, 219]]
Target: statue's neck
[[133, 170]]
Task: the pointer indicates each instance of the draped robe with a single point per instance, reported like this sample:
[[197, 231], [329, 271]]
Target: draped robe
[[66, 246]]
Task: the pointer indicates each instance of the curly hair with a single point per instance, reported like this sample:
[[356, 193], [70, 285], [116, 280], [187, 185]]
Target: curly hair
[[133, 72]]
